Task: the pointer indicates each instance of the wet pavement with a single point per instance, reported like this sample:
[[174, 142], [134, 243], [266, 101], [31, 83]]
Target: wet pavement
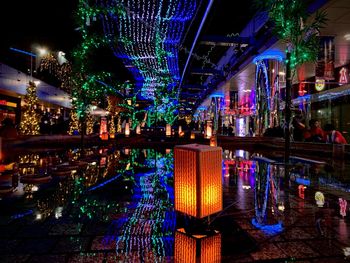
[[120, 208]]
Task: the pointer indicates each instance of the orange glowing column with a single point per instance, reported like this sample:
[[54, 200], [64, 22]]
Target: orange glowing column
[[103, 129], [198, 179], [187, 248]]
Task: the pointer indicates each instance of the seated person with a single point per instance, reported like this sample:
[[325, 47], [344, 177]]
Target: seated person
[[333, 136], [315, 133]]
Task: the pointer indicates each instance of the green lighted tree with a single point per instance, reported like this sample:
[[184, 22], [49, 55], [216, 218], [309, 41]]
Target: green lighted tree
[[294, 26], [299, 31]]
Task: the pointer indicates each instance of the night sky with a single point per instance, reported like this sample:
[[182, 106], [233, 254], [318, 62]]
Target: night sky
[[47, 23], [51, 24]]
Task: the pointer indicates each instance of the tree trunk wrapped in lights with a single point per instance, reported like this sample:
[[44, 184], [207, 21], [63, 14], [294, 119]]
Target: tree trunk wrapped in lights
[[30, 120], [74, 126], [112, 129], [89, 125]]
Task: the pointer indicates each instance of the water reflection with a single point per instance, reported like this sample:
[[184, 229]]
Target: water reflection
[[192, 249], [268, 204], [131, 192], [146, 229]]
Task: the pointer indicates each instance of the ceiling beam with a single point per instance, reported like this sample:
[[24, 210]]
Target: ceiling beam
[[193, 87], [206, 71], [224, 41]]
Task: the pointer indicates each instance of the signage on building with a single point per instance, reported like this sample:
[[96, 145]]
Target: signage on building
[[343, 76], [8, 103], [325, 59], [320, 84]]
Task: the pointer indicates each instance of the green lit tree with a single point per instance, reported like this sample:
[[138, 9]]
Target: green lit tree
[[299, 31]]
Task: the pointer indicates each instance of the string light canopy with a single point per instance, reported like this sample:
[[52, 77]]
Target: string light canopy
[[148, 36]]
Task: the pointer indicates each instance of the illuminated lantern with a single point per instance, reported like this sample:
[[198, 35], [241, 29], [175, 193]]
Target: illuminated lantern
[[198, 179], [209, 130], [213, 141], [193, 136], [281, 207], [200, 248], [168, 130], [103, 129], [127, 129], [112, 136], [138, 129], [180, 130], [127, 151], [319, 197]]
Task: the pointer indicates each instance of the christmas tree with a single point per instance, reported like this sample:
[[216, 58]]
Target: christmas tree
[[73, 123], [30, 120]]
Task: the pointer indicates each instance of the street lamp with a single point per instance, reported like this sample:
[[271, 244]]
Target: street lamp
[[42, 51]]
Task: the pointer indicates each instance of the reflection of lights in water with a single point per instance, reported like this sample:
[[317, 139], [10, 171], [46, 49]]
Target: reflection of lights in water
[[247, 187], [281, 207], [346, 251], [35, 188], [268, 229], [319, 197], [190, 248], [38, 216], [58, 212]]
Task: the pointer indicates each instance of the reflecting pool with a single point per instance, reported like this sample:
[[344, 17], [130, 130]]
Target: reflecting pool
[[117, 205]]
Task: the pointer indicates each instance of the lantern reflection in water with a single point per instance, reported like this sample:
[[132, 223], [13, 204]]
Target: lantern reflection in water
[[198, 180], [103, 129], [206, 249], [168, 130], [138, 129], [127, 129]]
